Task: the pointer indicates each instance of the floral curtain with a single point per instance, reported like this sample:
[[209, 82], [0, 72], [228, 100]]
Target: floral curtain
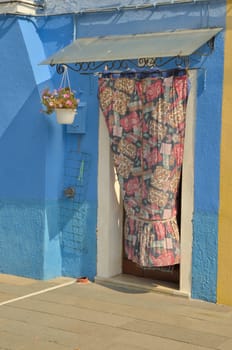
[[145, 117]]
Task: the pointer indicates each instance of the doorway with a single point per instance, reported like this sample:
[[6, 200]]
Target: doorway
[[110, 208], [165, 273]]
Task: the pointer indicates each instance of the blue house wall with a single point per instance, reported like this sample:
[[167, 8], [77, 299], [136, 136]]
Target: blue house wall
[[33, 157], [206, 177], [43, 234], [22, 153]]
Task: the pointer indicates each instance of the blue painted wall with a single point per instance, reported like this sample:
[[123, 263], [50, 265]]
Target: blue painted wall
[[208, 118], [34, 228], [42, 233], [31, 156], [206, 177], [79, 214], [22, 158]]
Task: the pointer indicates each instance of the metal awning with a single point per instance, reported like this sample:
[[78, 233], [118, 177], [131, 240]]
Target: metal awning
[[123, 47]]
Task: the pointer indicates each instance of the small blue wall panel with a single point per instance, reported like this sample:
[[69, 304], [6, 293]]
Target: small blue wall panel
[[79, 124]]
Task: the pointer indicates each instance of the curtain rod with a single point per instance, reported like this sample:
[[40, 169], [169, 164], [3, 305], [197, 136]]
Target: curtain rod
[[100, 74], [141, 72]]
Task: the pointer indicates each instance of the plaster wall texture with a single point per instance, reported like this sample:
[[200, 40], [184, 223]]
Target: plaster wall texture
[[207, 172], [224, 287]]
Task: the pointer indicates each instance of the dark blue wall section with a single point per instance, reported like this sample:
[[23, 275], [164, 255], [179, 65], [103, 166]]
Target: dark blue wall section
[[80, 172], [21, 237]]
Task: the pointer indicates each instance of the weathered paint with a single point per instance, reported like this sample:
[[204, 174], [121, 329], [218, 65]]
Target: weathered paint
[[206, 183], [225, 214]]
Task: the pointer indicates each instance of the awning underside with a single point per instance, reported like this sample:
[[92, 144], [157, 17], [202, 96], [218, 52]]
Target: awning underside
[[124, 47]]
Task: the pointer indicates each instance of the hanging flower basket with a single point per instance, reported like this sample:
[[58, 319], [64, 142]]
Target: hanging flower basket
[[62, 101], [65, 115]]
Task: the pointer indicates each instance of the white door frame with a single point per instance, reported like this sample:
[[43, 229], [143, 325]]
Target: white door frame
[[109, 228]]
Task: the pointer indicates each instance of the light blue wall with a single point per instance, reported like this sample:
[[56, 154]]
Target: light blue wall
[[42, 233], [22, 158], [33, 155]]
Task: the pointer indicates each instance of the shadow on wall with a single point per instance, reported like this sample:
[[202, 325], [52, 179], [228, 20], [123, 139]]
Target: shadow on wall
[[76, 212], [160, 18], [22, 178], [23, 152]]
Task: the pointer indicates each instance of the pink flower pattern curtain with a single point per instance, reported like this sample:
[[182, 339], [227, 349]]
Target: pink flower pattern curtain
[[145, 118]]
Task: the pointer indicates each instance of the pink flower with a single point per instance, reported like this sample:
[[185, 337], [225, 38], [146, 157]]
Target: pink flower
[[61, 98], [69, 103]]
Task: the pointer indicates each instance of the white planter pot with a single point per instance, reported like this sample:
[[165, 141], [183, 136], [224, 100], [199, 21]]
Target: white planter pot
[[65, 115]]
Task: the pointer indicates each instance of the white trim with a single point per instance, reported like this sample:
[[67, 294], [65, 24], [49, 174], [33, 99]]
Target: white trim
[[109, 229], [187, 192], [109, 235]]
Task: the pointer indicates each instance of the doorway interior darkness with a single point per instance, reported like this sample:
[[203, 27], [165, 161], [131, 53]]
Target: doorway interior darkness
[[110, 208]]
